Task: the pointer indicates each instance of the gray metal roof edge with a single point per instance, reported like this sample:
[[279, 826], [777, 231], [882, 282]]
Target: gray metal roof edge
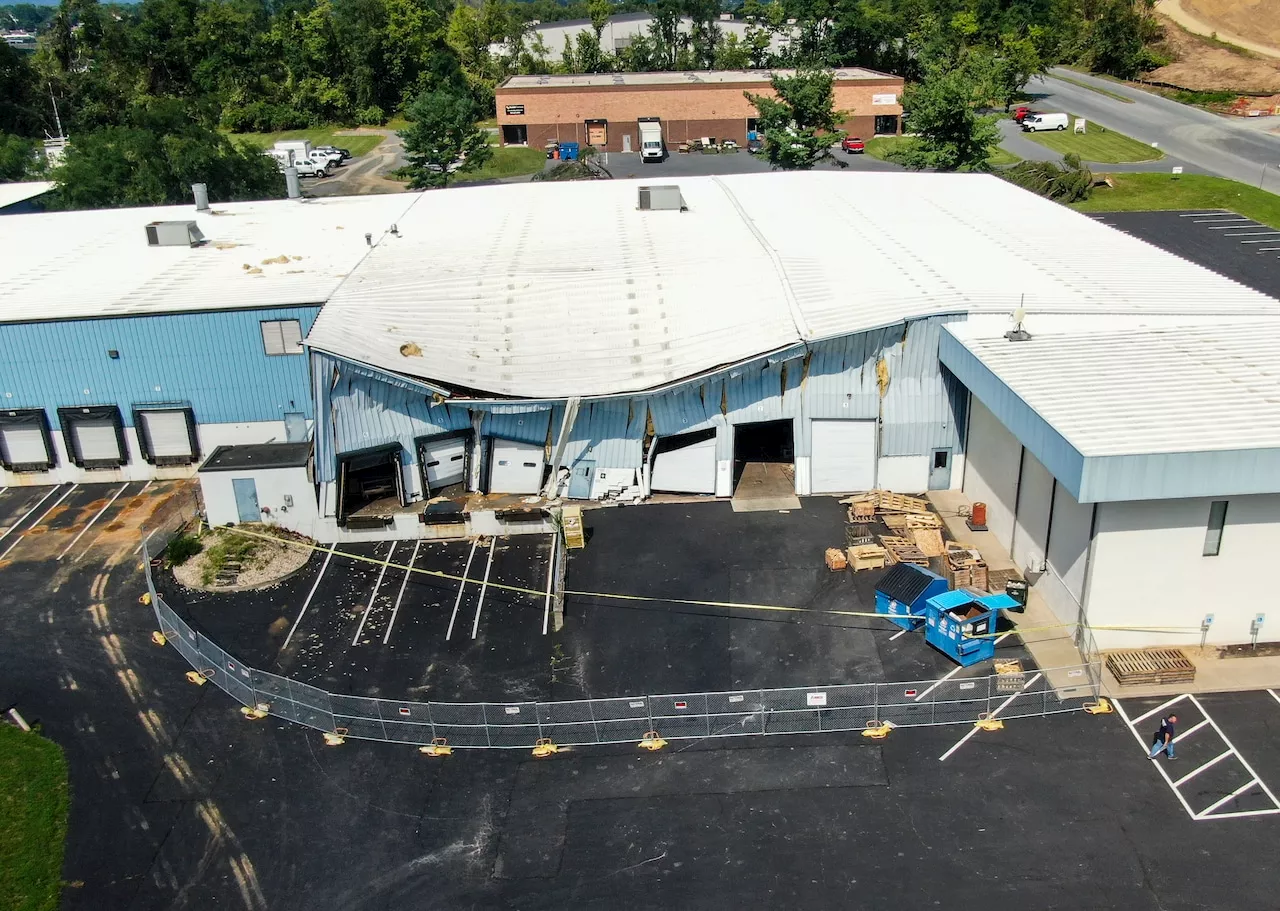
[[1180, 475], [1063, 460]]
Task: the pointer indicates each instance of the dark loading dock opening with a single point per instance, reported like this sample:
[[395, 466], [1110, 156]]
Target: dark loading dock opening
[[370, 482], [766, 443]]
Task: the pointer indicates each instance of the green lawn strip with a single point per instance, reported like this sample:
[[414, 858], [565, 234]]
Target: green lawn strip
[[1149, 192], [1001, 157], [511, 161], [33, 820], [883, 146], [319, 136], [1093, 88], [1098, 144]]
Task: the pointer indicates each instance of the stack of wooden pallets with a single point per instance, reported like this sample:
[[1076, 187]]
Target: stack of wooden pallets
[[903, 550], [1135, 666]]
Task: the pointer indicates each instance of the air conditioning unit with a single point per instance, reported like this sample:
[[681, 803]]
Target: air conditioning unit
[[174, 234], [662, 198]]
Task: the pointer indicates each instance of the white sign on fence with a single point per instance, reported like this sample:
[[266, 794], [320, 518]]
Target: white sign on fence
[[816, 699]]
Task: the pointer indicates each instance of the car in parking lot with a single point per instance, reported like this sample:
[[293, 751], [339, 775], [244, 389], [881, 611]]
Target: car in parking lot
[[344, 155], [853, 145]]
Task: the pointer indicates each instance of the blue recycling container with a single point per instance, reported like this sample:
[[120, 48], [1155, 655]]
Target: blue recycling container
[[569, 151], [902, 592], [961, 624]]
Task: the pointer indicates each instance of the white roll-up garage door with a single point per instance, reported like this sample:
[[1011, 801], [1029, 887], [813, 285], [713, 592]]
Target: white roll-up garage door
[[444, 461], [516, 467], [843, 456], [167, 434], [687, 469], [23, 444], [96, 440]]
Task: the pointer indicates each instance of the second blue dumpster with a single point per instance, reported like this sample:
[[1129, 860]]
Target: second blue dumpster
[[902, 592], [961, 624]]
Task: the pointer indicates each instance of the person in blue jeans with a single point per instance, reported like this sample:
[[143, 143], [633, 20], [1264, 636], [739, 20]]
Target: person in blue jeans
[[1163, 740]]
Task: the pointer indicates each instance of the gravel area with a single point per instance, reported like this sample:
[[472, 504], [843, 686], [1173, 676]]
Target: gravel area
[[269, 563]]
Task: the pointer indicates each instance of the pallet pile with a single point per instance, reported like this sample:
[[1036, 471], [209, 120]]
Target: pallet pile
[[1135, 666], [867, 556], [903, 550], [965, 568], [1010, 678]]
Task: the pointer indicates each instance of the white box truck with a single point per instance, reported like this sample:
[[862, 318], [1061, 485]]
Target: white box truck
[[301, 148], [651, 140], [1034, 123]]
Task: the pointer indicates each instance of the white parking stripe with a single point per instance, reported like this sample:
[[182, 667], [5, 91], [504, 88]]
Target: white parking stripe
[[941, 680], [1232, 796], [551, 579], [1191, 730], [1254, 234], [8, 531], [1147, 751], [1224, 227], [1248, 768], [901, 632], [1000, 708], [1206, 214], [1274, 695], [38, 520], [373, 597], [475, 627], [395, 611], [1194, 772], [92, 521], [1159, 708], [461, 585], [311, 594]]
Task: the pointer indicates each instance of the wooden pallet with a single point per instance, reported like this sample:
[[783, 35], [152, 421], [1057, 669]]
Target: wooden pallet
[[867, 556], [1136, 666], [836, 560], [862, 511], [903, 550], [1010, 678], [857, 535], [929, 540], [896, 502], [922, 520], [996, 579], [971, 575]]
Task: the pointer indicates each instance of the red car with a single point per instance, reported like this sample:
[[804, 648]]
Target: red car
[[1020, 112], [852, 144]]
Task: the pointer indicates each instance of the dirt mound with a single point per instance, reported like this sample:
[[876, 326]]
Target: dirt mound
[[1203, 65], [1257, 21]]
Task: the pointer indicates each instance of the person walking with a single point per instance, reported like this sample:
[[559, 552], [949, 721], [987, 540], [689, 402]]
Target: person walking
[[1163, 740]]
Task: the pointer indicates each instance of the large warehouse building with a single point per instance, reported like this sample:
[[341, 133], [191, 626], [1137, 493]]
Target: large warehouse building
[[615, 339], [604, 109]]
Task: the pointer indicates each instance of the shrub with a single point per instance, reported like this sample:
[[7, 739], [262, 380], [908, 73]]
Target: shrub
[[372, 115], [1068, 182], [183, 548]]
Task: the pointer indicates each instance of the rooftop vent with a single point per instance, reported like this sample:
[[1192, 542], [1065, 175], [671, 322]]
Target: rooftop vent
[[663, 198], [174, 234]]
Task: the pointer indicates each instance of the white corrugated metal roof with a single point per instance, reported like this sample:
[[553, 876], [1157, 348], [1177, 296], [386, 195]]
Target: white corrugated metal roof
[[551, 290], [1121, 385], [97, 263], [694, 77], [12, 193]]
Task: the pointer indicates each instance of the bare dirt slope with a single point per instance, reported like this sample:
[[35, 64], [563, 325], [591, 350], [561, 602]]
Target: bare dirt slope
[[1255, 22], [1206, 66]]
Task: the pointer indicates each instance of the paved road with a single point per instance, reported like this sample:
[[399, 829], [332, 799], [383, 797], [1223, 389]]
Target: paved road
[[1208, 142]]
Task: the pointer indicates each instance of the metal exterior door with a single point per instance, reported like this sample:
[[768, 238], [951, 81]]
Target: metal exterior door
[[516, 467], [580, 478], [688, 469], [295, 427], [626, 142], [96, 440], [844, 456], [23, 444], [940, 470], [246, 492], [167, 435]]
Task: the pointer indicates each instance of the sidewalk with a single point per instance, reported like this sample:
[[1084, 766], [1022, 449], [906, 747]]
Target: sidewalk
[[1054, 647]]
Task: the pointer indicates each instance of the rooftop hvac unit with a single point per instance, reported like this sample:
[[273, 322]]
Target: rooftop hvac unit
[[174, 234], [662, 198]]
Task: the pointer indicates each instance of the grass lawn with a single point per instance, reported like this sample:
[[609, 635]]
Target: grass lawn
[[1098, 144], [883, 146], [33, 820], [511, 161], [1002, 158], [1139, 192], [1093, 88], [319, 136]]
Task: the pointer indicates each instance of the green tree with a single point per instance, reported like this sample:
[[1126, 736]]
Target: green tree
[[17, 157], [154, 159], [442, 137], [801, 124], [1016, 61], [19, 97], [1115, 43], [1067, 182], [942, 110]]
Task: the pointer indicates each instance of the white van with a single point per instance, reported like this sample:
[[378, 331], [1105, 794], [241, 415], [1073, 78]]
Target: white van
[[1034, 123]]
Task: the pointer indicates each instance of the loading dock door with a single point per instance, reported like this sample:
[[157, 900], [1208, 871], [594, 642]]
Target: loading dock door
[[168, 436], [444, 461], [844, 456], [97, 442], [516, 467], [685, 467], [24, 448]]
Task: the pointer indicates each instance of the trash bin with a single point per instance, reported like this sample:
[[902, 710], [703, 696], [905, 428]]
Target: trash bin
[[902, 592], [1017, 590], [962, 624], [569, 151]]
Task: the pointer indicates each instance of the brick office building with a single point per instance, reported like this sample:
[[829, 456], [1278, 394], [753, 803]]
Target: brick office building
[[603, 109]]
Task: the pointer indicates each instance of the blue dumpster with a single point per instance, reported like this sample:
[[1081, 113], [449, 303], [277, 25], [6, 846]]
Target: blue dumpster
[[569, 151], [960, 624], [902, 592]]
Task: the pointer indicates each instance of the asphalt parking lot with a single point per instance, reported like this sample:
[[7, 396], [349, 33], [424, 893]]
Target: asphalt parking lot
[[1229, 244], [69, 520], [178, 802]]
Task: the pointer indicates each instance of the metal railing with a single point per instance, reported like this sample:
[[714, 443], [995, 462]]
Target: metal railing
[[679, 716]]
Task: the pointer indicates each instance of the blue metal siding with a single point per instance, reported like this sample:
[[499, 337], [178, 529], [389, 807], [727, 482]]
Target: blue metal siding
[[1159, 476], [611, 432], [213, 360]]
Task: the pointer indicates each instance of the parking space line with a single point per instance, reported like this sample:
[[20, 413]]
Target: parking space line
[[466, 574], [373, 597], [8, 531], [311, 594], [145, 540], [1206, 214], [1000, 708], [1194, 772], [1159, 708], [475, 627], [1221, 227], [1254, 234], [1191, 730], [1269, 240], [1248, 768], [1207, 811], [901, 632], [92, 521], [1274, 695], [94, 540], [395, 611], [1133, 729], [18, 539], [551, 579], [941, 680]]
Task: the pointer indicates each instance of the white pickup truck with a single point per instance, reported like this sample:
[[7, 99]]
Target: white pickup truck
[[651, 148]]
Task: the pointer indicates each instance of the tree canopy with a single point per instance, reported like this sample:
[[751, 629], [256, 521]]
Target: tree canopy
[[442, 137], [801, 124]]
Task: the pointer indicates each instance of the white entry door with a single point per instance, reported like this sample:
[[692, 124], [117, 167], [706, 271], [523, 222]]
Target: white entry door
[[690, 468], [843, 456], [516, 467]]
